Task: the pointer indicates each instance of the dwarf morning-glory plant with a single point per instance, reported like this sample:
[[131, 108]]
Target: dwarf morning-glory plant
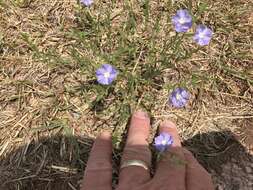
[[86, 2], [163, 142], [106, 74], [203, 35], [182, 21], [179, 97]]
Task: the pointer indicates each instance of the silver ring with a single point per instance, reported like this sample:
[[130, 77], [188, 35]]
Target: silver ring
[[138, 163]]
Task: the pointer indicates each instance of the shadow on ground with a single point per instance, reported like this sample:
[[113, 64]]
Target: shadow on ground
[[58, 162], [229, 162]]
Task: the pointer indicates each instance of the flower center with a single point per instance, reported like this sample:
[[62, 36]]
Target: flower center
[[201, 35], [164, 142], [106, 74], [178, 96], [181, 20]]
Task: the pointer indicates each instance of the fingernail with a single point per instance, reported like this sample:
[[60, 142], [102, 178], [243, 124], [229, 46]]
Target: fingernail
[[168, 124], [141, 114], [105, 135]]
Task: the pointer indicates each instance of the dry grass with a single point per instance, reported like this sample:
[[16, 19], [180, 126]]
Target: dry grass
[[47, 104]]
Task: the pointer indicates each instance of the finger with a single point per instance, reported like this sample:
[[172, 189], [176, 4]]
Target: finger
[[171, 166], [170, 128], [136, 149], [195, 171], [98, 172]]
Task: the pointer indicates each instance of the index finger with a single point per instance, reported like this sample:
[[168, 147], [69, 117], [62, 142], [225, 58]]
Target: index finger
[[98, 172]]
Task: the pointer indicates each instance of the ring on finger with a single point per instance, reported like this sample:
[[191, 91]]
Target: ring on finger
[[138, 163]]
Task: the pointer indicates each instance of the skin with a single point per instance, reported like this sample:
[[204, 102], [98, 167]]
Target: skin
[[176, 170]]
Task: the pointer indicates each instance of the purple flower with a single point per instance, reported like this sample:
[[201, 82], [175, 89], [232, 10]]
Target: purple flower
[[87, 2], [179, 97], [182, 21], [106, 74], [163, 141], [203, 35]]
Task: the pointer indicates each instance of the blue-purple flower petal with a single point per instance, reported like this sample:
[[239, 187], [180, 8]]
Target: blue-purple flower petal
[[163, 142], [203, 35], [182, 21], [179, 97], [86, 2], [106, 74]]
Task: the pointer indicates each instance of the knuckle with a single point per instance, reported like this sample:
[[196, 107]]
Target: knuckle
[[140, 153], [96, 165]]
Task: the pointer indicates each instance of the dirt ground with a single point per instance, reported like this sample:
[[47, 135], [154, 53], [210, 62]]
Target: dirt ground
[[229, 162]]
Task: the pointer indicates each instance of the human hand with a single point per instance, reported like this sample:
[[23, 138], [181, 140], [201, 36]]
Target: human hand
[[169, 174]]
